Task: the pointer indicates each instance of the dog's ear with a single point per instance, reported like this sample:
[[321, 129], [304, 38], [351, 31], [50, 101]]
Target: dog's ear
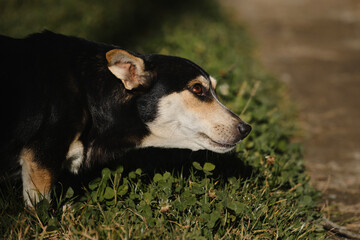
[[128, 68]]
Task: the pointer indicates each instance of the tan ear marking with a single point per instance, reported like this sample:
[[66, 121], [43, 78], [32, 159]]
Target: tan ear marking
[[127, 67], [117, 55]]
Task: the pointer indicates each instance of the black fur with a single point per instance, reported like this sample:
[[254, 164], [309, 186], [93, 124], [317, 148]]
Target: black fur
[[55, 86]]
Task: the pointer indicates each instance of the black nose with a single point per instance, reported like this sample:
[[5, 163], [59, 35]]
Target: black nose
[[244, 129]]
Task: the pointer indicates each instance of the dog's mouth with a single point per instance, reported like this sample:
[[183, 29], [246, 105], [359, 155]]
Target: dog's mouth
[[214, 143]]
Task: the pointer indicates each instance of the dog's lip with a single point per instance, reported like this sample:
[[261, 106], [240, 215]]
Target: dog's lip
[[224, 145]]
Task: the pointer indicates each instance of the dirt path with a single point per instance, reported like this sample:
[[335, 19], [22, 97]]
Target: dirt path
[[314, 46]]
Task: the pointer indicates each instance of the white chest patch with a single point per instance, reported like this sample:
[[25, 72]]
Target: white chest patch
[[75, 156]]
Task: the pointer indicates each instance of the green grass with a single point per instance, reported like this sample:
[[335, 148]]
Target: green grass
[[260, 191]]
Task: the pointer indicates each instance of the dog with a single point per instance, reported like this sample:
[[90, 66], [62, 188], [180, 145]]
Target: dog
[[69, 102]]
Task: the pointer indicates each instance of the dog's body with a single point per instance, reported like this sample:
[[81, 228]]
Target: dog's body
[[68, 102]]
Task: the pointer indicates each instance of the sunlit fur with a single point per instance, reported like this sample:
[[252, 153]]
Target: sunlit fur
[[184, 121]]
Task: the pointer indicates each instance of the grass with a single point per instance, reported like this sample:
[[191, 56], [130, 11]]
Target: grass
[[259, 191]]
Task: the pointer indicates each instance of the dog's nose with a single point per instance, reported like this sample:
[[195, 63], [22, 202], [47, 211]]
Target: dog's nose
[[244, 129]]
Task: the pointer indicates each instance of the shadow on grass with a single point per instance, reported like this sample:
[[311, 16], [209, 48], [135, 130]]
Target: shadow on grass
[[161, 160], [155, 160]]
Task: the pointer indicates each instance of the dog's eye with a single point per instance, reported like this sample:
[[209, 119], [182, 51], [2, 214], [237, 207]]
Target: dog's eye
[[197, 89]]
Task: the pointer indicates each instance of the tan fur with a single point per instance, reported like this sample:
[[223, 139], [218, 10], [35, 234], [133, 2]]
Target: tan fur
[[112, 57], [201, 108], [210, 111], [127, 67], [36, 179], [213, 116], [200, 80]]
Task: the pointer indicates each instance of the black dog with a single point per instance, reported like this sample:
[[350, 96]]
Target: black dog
[[68, 102]]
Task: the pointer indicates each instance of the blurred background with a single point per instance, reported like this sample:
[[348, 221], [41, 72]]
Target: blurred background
[[312, 47], [116, 21]]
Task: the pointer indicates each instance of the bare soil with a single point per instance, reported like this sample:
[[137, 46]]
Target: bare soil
[[314, 47]]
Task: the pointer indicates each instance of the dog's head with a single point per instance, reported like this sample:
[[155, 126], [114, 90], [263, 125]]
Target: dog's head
[[178, 103]]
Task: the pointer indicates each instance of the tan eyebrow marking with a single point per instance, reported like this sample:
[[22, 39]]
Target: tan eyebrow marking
[[201, 80]]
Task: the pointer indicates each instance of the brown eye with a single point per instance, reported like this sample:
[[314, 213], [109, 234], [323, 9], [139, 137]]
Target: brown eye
[[197, 89]]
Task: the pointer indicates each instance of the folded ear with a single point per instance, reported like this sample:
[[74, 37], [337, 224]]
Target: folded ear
[[128, 68]]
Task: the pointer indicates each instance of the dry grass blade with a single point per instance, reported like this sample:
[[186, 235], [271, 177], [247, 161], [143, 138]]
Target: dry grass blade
[[331, 226], [252, 94]]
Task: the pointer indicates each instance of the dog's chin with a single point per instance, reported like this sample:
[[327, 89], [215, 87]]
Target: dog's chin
[[197, 142], [215, 146]]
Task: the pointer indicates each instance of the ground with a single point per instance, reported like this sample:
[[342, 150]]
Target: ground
[[314, 47]]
